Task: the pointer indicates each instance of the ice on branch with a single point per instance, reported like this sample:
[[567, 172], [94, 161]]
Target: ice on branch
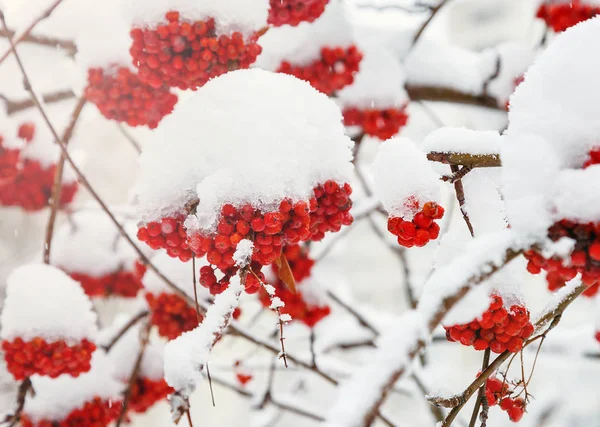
[[244, 16], [548, 173], [462, 140], [404, 178], [55, 399], [260, 137], [186, 355], [42, 301]]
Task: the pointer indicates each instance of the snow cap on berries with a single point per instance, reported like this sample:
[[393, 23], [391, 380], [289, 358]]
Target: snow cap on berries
[[553, 126], [265, 137], [180, 273], [55, 398], [245, 16], [404, 179], [378, 85], [106, 252], [42, 301]]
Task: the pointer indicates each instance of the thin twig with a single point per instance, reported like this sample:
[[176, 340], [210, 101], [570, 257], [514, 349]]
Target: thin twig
[[460, 196], [68, 45], [434, 12], [126, 327], [359, 317], [24, 388], [481, 396], [212, 393], [15, 41], [189, 417], [58, 180], [13, 107], [136, 145], [451, 95], [196, 289]]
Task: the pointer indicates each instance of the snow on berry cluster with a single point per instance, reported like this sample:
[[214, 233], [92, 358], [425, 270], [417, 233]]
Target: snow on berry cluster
[[323, 53], [42, 335], [108, 266], [497, 393], [499, 329], [185, 43], [169, 312], [27, 168], [409, 190], [301, 306], [275, 185], [92, 399], [376, 101], [150, 386], [293, 12], [563, 15]]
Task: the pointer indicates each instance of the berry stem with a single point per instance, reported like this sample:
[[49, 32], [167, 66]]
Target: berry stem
[[481, 395], [196, 294], [460, 196]]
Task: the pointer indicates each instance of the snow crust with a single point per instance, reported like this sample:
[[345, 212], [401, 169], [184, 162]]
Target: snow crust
[[180, 273], [553, 124], [90, 243], [55, 398], [186, 355], [42, 301], [260, 137], [402, 171], [243, 253], [245, 16], [462, 140], [378, 84]]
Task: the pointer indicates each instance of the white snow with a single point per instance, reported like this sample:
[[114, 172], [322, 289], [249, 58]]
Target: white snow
[[186, 355], [515, 58], [462, 140], [246, 16], [42, 301], [55, 398], [104, 250], [265, 137], [243, 253], [402, 171], [379, 84]]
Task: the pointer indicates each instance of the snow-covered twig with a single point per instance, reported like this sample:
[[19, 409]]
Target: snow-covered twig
[[434, 12], [67, 45], [13, 107], [444, 94]]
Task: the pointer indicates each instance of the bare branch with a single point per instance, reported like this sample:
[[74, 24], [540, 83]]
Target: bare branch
[[434, 12], [464, 159], [460, 196], [444, 94], [13, 107], [67, 45], [126, 327]]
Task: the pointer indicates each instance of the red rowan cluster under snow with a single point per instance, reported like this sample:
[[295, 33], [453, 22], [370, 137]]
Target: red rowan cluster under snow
[[97, 412], [186, 54], [293, 12], [171, 314], [295, 303], [120, 95], [380, 123], [121, 283], [498, 329], [146, 392], [332, 72], [421, 229], [561, 16], [25, 358], [169, 234], [496, 392]]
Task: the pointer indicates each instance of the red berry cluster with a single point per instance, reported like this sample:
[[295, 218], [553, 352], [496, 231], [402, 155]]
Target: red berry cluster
[[9, 163], [293, 12], [171, 314], [421, 229], [498, 329], [121, 283], [561, 16], [209, 280], [25, 358], [97, 413], [295, 304], [593, 158], [584, 259], [146, 392], [332, 72], [332, 211], [496, 392], [382, 124], [187, 54], [120, 95], [598, 336], [168, 233]]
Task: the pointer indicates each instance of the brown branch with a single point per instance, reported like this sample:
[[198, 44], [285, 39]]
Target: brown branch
[[359, 317], [13, 107], [68, 45], [58, 180], [15, 41], [457, 176], [464, 159], [444, 94], [126, 327], [481, 395], [460, 196], [144, 338], [24, 388], [423, 27]]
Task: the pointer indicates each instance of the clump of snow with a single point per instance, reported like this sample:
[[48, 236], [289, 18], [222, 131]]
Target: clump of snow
[[246, 16], [302, 45], [379, 83], [42, 301], [514, 59], [186, 355], [180, 273], [462, 140], [105, 251], [125, 351], [55, 398], [243, 253], [403, 176], [260, 137], [470, 307]]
